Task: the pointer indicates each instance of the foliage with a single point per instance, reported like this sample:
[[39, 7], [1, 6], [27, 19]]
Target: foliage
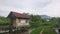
[[4, 21], [36, 31], [38, 23], [35, 20], [47, 30]]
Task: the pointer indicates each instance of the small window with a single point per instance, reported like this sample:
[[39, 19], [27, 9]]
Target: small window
[[23, 21]]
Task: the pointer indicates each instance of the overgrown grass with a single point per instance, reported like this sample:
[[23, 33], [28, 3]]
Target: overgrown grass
[[36, 31], [47, 30]]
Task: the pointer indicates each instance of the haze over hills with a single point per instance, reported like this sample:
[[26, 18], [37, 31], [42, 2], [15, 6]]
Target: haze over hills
[[45, 17]]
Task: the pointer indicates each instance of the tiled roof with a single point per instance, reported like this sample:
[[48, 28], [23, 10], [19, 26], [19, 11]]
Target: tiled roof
[[18, 15]]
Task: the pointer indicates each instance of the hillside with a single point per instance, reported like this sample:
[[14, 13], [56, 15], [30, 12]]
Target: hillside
[[45, 17]]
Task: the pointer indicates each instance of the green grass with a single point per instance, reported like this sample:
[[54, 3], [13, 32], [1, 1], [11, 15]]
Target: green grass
[[47, 30], [36, 31]]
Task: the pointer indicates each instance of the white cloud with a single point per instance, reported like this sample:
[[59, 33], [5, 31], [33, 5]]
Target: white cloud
[[28, 6], [47, 7], [53, 9]]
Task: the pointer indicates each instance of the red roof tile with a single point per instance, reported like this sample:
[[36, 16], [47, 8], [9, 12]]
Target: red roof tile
[[18, 15]]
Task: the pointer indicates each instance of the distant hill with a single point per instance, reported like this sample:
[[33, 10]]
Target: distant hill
[[45, 17]]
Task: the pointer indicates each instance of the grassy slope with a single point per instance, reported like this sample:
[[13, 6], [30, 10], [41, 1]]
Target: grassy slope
[[48, 28], [45, 31]]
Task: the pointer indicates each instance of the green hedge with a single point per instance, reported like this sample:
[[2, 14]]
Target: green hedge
[[4, 24]]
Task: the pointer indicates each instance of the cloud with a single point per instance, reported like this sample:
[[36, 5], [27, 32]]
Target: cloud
[[53, 9], [47, 7], [25, 3], [27, 6]]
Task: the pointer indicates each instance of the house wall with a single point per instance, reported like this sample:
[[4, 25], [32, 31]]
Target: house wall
[[21, 22], [17, 20]]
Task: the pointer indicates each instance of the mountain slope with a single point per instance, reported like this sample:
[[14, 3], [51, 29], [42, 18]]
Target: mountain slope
[[45, 17]]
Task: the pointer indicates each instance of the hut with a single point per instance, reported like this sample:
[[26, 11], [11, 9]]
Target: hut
[[18, 20]]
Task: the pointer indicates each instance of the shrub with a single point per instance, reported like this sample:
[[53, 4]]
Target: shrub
[[4, 24]]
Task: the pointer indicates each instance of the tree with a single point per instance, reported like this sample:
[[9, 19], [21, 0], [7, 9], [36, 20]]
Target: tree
[[35, 20]]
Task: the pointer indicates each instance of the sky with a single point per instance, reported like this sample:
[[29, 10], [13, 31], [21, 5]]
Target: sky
[[36, 7]]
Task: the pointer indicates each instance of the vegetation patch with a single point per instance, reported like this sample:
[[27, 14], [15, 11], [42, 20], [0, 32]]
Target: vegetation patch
[[47, 30], [4, 21]]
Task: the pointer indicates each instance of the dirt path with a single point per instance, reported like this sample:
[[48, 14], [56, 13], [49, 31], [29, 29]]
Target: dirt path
[[42, 31]]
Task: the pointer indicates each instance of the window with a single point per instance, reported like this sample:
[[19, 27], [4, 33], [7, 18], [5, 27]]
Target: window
[[23, 20]]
